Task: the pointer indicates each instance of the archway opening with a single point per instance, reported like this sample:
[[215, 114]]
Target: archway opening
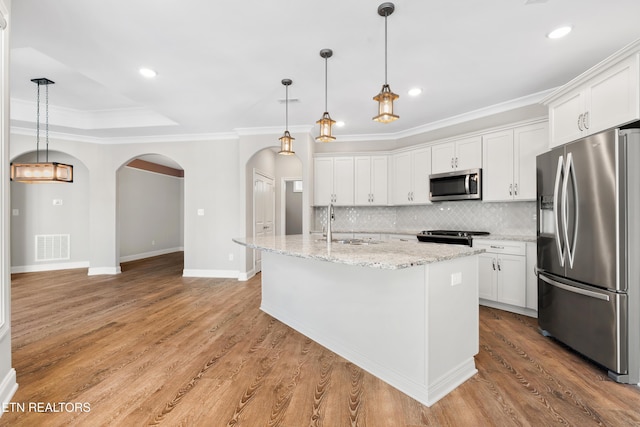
[[150, 210]]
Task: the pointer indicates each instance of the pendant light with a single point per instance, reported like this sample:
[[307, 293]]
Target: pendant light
[[42, 172], [325, 122], [385, 98], [286, 140]]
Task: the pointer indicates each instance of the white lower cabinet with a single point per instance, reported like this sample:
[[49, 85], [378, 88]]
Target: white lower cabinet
[[502, 276]]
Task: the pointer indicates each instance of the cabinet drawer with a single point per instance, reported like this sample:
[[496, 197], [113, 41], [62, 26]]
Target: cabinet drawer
[[501, 246]]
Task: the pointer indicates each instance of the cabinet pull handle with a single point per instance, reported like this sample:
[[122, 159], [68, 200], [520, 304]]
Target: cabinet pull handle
[[511, 189], [496, 247], [499, 267], [452, 163], [515, 189], [580, 122], [456, 162], [493, 262], [585, 120], [412, 196]]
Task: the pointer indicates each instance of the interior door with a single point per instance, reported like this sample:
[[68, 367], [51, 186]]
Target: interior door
[[263, 211]]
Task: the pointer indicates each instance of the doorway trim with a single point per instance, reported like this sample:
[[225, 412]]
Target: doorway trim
[[283, 201], [256, 173]]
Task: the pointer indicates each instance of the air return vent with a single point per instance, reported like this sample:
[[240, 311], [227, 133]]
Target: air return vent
[[52, 247]]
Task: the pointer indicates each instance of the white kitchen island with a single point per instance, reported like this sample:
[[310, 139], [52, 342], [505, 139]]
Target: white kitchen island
[[406, 312]]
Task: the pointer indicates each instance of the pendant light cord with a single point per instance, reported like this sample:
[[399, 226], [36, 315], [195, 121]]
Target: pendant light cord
[[286, 108], [47, 121], [385, 47], [38, 125], [325, 85]]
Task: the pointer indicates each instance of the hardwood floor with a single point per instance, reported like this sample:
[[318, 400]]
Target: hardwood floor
[[149, 347]]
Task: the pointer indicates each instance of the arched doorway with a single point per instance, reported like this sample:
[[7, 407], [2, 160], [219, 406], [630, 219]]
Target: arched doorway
[[150, 207], [266, 163], [50, 222]]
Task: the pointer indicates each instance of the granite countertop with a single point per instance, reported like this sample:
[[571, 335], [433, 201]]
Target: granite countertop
[[514, 237], [375, 254]]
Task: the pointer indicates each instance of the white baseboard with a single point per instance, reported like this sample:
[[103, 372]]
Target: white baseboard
[[222, 274], [96, 271], [49, 267], [8, 388], [143, 255], [243, 277]]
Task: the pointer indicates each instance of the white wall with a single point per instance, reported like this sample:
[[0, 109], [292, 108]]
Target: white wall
[[210, 183], [36, 214], [150, 207]]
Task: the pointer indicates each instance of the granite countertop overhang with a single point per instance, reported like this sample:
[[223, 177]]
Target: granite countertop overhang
[[390, 255]]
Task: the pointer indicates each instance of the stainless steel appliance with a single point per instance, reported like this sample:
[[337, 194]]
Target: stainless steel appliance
[[589, 249], [452, 237], [457, 185]]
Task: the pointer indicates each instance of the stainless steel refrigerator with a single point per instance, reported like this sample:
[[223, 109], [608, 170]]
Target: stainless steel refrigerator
[[589, 249]]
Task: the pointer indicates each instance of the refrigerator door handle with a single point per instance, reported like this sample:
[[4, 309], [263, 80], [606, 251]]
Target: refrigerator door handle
[[570, 174], [573, 289], [556, 188]]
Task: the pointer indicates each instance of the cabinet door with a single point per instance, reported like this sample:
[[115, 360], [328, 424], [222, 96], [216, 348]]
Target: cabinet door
[[512, 280], [401, 182], [362, 180], [613, 97], [528, 142], [322, 181], [468, 153], [443, 157], [379, 180], [487, 277], [563, 118], [497, 171], [343, 180], [420, 175]]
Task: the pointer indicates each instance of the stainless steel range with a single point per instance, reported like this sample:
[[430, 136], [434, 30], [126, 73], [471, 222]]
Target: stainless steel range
[[452, 237]]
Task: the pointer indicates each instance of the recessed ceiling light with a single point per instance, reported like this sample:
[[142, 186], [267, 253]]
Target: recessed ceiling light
[[340, 123], [559, 32], [148, 73], [415, 91]]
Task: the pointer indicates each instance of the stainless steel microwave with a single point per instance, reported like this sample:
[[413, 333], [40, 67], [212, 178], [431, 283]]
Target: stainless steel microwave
[[456, 185]]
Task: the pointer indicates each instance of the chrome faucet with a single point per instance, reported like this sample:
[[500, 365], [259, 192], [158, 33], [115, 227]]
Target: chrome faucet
[[330, 218]]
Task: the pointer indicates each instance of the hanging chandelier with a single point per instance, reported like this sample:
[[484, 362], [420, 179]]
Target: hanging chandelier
[[42, 172], [385, 98], [325, 122], [286, 140]]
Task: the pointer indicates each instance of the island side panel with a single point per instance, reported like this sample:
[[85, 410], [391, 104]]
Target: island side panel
[[453, 324], [373, 317]]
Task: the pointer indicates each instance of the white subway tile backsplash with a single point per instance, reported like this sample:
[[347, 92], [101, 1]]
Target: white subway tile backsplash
[[515, 218]]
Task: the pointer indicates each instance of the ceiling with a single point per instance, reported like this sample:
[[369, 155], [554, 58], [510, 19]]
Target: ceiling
[[220, 64]]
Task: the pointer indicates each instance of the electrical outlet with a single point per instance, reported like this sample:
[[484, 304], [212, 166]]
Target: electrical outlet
[[230, 257], [200, 212], [15, 212], [153, 242], [456, 279]]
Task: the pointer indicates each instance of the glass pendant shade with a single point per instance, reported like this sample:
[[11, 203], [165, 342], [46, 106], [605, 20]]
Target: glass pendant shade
[[325, 128], [286, 144], [385, 105], [31, 173]]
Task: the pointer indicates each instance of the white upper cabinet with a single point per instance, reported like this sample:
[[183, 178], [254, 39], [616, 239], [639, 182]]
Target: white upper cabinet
[[333, 181], [371, 180], [606, 96], [457, 155], [410, 177], [509, 162]]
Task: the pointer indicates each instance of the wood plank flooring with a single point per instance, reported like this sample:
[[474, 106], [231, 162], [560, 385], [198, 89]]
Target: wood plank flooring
[[149, 347]]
